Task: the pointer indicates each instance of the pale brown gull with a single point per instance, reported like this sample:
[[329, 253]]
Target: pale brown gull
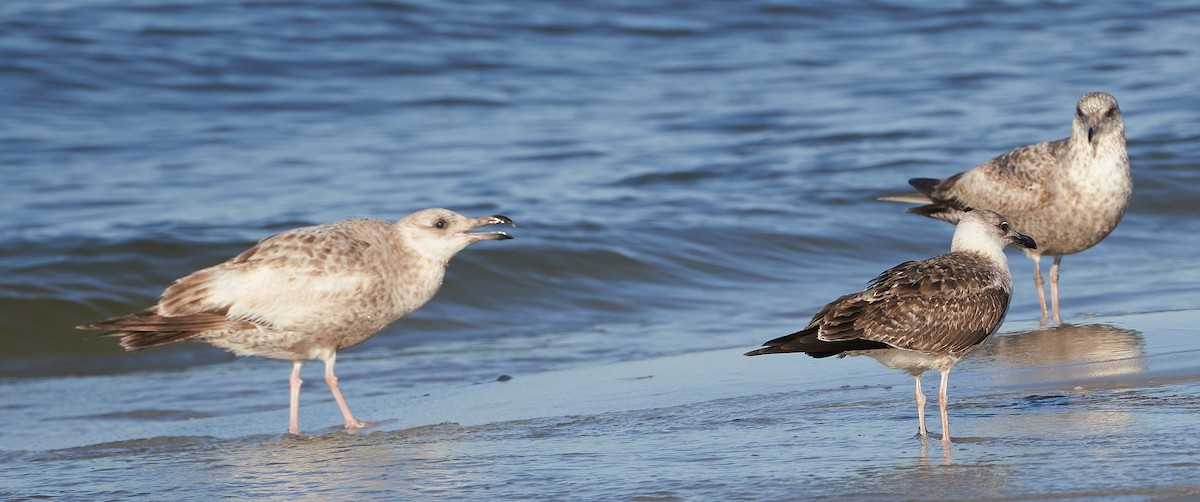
[[309, 292], [1068, 194], [921, 315]]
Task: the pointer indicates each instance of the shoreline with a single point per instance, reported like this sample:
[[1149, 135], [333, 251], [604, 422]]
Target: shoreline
[[1049, 361], [1100, 405]]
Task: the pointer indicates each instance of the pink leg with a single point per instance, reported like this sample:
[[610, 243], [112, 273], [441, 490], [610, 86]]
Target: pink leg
[[942, 405], [1037, 283], [332, 380], [921, 408], [1054, 289], [294, 412]]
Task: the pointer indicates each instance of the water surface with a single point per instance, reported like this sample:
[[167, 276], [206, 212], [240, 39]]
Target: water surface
[[690, 179]]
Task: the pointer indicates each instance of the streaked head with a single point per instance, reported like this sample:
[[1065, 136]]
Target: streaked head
[[442, 232], [1097, 115]]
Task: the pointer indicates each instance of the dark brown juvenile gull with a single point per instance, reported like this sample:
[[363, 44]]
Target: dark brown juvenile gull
[[921, 315], [1068, 194], [306, 293]]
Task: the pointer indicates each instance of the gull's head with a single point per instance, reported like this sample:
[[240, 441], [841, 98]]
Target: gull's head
[[442, 233], [1097, 115], [987, 232]]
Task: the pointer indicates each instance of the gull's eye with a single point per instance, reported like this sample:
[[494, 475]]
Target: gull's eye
[[1004, 226], [1112, 112], [441, 224], [1078, 111]]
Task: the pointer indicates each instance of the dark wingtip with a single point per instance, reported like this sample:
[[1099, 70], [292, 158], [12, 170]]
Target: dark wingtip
[[928, 210], [924, 185]]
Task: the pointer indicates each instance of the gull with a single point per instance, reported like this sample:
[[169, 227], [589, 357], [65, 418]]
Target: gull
[[921, 315], [306, 293], [1067, 194]]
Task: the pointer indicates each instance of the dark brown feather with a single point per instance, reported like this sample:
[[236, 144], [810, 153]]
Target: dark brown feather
[[945, 207], [806, 341], [946, 304], [139, 341], [149, 321]]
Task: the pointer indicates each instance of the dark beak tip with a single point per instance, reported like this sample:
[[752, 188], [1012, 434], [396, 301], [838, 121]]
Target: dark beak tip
[[503, 220], [1022, 240]]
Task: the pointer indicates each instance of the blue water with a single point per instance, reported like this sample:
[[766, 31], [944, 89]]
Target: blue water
[[687, 177]]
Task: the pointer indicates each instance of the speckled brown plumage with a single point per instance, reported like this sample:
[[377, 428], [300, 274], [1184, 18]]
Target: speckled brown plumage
[[944, 305], [921, 315], [306, 293], [1068, 194]]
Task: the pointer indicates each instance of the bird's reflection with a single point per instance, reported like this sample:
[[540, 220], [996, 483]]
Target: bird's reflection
[[1053, 369], [923, 459], [359, 463], [1120, 350]]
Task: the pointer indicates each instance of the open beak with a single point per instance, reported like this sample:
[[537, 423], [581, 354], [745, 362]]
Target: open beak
[[1021, 239], [484, 221]]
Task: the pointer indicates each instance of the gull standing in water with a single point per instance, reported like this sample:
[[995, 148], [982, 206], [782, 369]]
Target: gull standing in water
[[309, 292], [921, 315]]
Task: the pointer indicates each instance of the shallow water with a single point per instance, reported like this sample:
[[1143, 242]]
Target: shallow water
[[689, 180], [1081, 411]]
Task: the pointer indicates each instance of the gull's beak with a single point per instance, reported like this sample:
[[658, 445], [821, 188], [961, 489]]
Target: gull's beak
[[1093, 127], [1020, 239], [484, 221]]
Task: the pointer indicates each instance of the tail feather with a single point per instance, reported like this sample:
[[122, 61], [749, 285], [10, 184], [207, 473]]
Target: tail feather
[[908, 197], [807, 342], [933, 206], [150, 321], [139, 341], [924, 194], [147, 328], [937, 211]]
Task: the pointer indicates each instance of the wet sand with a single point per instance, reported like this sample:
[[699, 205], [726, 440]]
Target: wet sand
[[1103, 409]]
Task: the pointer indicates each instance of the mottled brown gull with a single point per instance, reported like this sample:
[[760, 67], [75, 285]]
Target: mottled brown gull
[[306, 293], [1068, 194], [921, 315]]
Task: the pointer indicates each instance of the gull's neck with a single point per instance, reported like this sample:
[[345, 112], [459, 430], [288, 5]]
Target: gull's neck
[[1108, 150]]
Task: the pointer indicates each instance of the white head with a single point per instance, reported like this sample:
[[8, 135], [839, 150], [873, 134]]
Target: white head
[[1097, 117], [987, 232], [441, 233]]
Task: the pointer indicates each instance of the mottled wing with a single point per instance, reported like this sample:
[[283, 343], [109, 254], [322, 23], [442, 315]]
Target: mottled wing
[[949, 303], [290, 275], [1014, 183], [315, 249]]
